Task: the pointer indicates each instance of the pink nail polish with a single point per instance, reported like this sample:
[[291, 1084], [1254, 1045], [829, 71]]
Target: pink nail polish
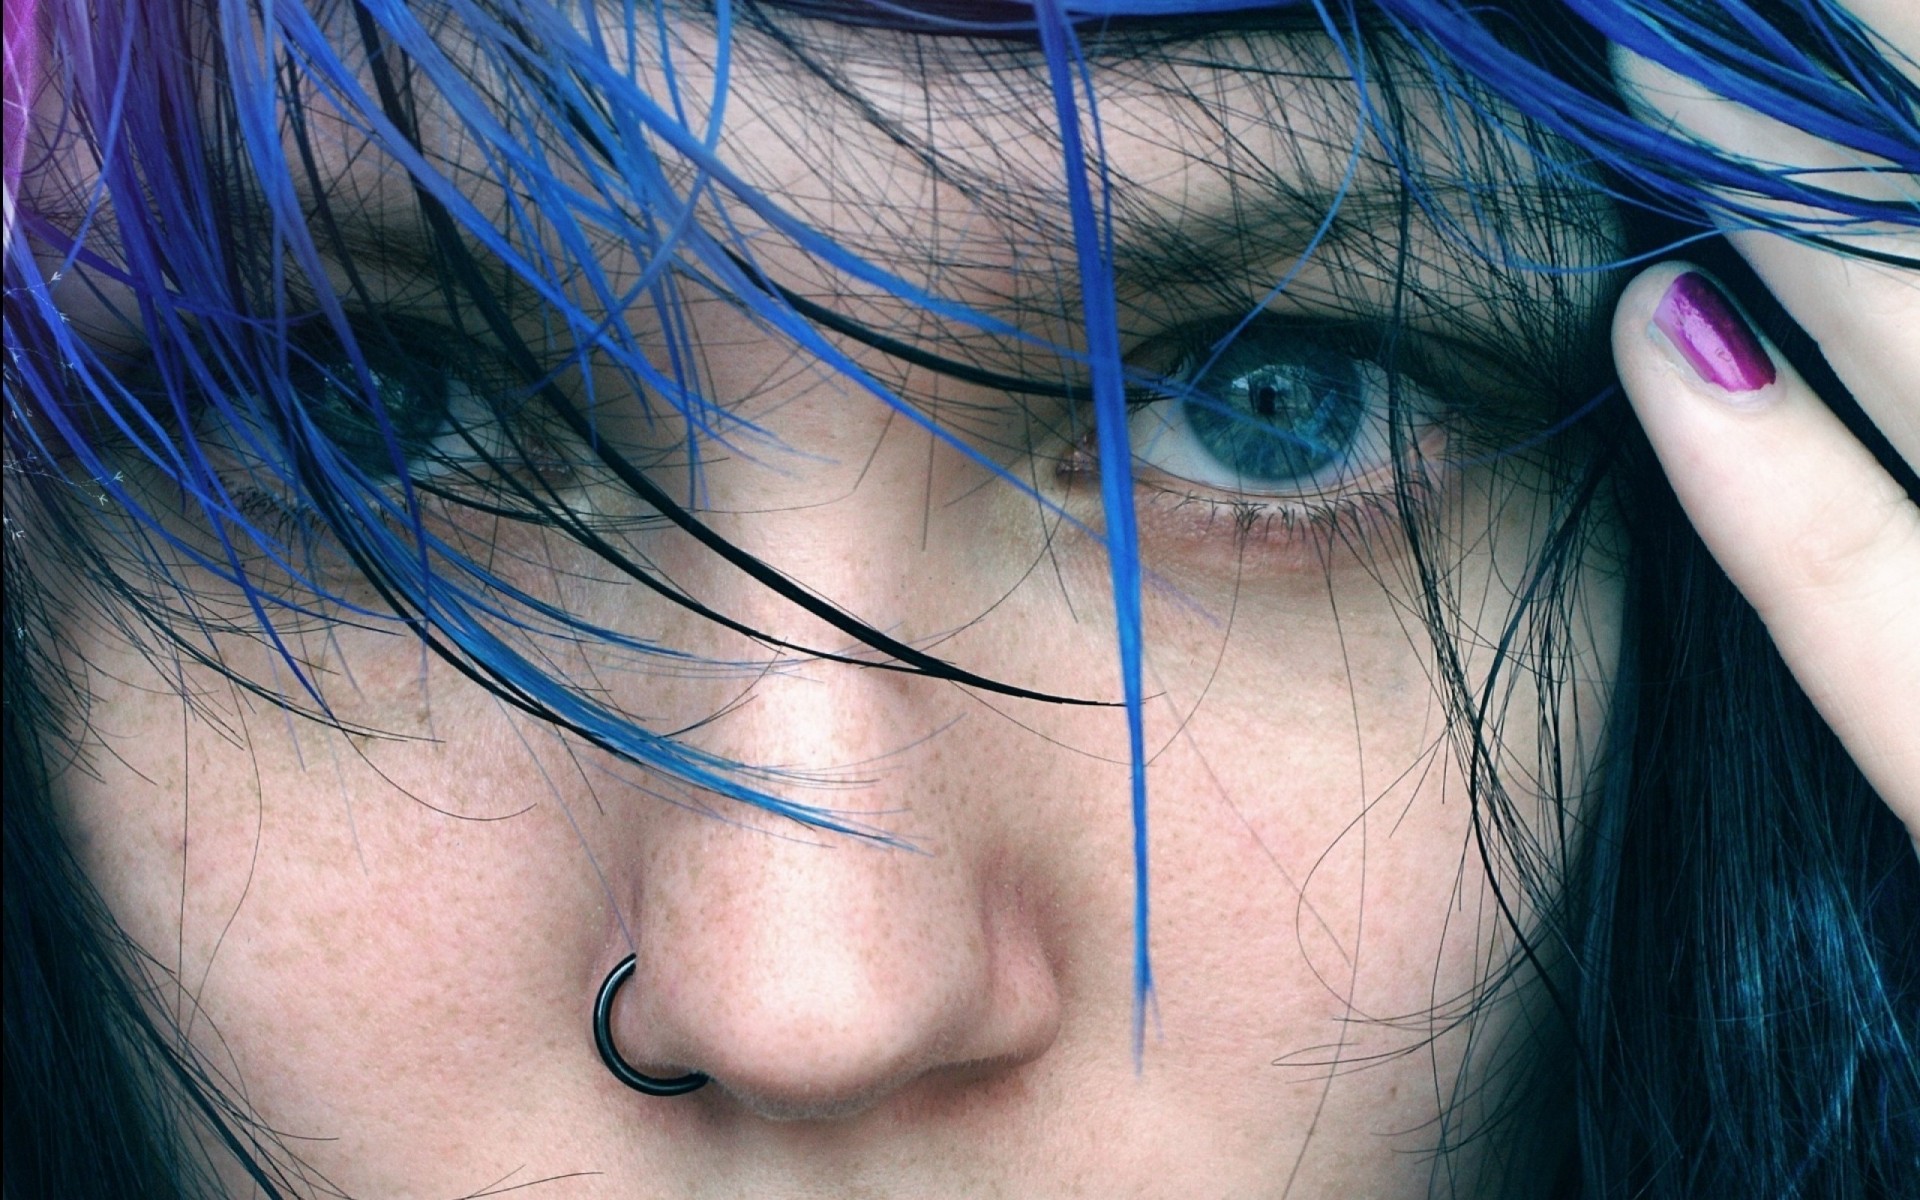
[[1712, 336]]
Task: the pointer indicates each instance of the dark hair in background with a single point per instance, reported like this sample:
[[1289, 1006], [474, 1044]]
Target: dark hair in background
[[1750, 973], [1744, 982]]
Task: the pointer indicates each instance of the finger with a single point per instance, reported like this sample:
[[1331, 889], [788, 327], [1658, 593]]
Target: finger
[[1865, 315], [1813, 532]]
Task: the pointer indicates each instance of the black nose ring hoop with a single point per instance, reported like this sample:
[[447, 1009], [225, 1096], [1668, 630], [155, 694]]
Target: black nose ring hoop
[[609, 1054]]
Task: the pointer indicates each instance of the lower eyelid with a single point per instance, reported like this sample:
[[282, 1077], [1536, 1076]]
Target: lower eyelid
[[1266, 536], [1362, 515]]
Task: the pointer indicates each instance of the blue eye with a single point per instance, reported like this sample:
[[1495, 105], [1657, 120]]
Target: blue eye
[[1276, 417], [444, 427], [1272, 414], [415, 404], [438, 419]]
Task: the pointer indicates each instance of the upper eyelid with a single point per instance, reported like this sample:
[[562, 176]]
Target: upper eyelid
[[1478, 385], [1385, 394], [1152, 359]]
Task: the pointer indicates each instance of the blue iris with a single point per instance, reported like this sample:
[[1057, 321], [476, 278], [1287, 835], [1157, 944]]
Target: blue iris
[[1276, 414], [415, 396]]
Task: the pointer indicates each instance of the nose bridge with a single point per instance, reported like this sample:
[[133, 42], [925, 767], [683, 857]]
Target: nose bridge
[[813, 974], [840, 492], [810, 973]]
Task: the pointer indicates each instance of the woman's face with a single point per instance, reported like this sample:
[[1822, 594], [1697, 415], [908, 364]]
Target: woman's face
[[387, 936]]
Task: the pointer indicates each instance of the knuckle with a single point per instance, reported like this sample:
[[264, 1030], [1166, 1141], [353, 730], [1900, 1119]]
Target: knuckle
[[1844, 546]]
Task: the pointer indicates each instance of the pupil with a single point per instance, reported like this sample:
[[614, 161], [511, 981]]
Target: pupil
[[414, 396]]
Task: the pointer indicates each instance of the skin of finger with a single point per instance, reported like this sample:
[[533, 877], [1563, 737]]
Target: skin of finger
[[1898, 21], [1864, 315], [1866, 318], [1816, 535]]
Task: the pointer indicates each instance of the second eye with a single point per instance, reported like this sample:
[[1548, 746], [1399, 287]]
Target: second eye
[[437, 418]]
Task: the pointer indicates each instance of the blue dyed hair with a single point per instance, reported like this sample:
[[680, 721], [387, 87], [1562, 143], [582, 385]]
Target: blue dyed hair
[[252, 335]]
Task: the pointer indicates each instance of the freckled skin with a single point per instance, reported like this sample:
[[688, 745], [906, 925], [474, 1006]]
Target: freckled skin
[[393, 938]]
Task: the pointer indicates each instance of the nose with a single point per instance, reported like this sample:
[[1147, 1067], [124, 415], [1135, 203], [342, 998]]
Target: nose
[[815, 975]]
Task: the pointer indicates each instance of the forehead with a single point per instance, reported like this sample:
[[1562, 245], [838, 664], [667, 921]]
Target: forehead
[[939, 160], [1223, 157]]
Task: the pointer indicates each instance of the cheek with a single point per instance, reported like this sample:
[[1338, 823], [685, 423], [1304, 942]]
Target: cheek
[[347, 923], [1321, 872], [376, 930]]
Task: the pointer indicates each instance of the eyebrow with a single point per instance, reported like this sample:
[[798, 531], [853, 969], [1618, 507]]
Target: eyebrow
[[1240, 249], [932, 17], [1526, 275], [1013, 20], [1166, 259], [1231, 250]]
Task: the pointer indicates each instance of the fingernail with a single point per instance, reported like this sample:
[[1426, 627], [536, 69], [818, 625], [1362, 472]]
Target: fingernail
[[1702, 324]]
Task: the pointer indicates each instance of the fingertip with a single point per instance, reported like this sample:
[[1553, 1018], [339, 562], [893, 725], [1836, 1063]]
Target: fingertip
[[1676, 326], [1633, 313]]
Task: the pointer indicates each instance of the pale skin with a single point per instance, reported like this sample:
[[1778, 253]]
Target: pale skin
[[391, 945], [1815, 533]]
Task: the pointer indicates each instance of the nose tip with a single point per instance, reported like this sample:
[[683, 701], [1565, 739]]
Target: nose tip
[[813, 982], [839, 1037]]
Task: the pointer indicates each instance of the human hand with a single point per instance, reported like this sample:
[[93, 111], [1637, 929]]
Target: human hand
[[1819, 538]]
